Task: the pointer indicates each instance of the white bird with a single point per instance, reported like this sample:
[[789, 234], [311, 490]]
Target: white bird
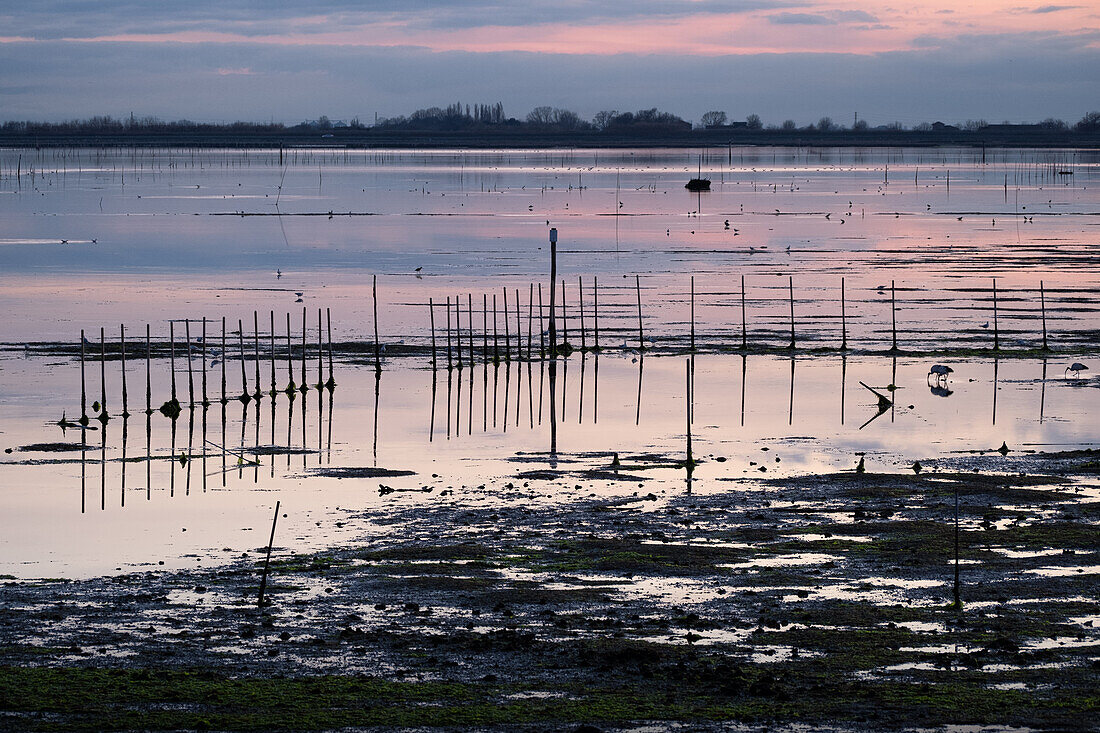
[[1076, 367], [937, 376]]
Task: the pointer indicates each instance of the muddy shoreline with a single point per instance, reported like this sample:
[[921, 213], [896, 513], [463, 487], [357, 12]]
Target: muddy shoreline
[[824, 600]]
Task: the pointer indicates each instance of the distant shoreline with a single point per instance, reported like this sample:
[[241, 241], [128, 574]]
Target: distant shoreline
[[375, 138]]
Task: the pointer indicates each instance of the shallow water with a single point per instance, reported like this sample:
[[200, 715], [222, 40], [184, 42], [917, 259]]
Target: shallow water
[[171, 240], [171, 244], [63, 516]]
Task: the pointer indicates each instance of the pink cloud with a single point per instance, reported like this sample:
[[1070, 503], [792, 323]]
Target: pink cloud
[[841, 27]]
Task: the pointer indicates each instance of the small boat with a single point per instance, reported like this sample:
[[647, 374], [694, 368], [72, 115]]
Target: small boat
[[698, 183]]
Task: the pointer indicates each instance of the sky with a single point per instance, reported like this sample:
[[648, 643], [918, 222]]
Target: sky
[[291, 60]]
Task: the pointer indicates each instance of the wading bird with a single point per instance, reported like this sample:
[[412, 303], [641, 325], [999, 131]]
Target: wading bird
[[1076, 367], [940, 372]]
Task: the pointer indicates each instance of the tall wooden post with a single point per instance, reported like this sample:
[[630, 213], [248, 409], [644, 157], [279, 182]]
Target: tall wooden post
[[553, 279]]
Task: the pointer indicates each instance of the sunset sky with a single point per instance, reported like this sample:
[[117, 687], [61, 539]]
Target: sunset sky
[[289, 60]]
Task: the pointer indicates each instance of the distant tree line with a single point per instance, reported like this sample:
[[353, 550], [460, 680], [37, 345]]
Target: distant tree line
[[144, 124], [486, 118]]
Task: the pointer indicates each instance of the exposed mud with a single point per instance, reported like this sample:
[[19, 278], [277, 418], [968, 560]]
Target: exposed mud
[[824, 600]]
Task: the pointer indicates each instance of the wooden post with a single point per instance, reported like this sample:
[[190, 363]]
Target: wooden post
[[507, 335], [244, 376], [790, 286], [431, 318], [122, 342], [225, 355], [580, 305], [596, 311], [172, 355], [843, 319], [893, 319], [542, 331], [496, 333], [744, 326], [190, 370], [148, 373], [377, 347], [485, 328], [519, 332], [267, 560], [470, 323], [320, 352], [687, 413], [553, 279], [272, 340], [304, 387], [202, 353], [458, 331], [291, 387], [996, 330], [530, 317], [693, 313], [331, 383], [449, 362], [103, 415], [1043, 306], [256, 350], [638, 290], [564, 320]]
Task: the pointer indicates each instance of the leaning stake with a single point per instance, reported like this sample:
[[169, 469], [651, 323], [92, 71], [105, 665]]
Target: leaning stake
[[267, 560]]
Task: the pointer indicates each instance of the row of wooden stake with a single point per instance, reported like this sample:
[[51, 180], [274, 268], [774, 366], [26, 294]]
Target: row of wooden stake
[[172, 407], [459, 338]]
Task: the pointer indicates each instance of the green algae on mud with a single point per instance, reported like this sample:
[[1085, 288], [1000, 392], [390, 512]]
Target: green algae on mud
[[698, 690]]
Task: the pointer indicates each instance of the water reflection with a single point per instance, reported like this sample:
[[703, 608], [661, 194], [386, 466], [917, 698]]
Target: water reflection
[[189, 464], [191, 444]]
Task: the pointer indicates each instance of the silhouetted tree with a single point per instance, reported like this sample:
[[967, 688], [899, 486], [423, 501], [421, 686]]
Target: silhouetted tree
[[1090, 122], [826, 124], [715, 118], [753, 122], [788, 125], [541, 116], [603, 118]]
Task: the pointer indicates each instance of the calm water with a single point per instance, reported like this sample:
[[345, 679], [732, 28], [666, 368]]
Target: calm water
[[171, 243]]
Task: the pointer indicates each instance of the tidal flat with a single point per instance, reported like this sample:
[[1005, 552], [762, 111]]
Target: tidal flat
[[821, 449], [825, 601]]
